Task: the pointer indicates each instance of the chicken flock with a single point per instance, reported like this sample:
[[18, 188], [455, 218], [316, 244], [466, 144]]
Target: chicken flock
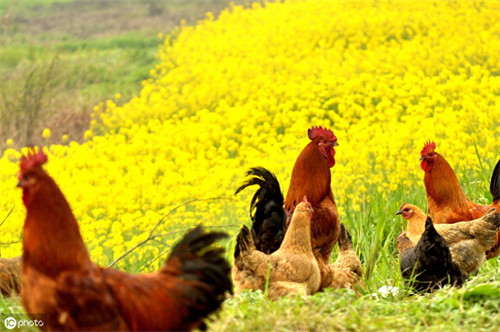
[[286, 251]]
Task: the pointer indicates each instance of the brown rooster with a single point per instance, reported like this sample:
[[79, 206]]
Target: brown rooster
[[467, 240], [70, 292], [446, 200], [290, 270], [311, 177]]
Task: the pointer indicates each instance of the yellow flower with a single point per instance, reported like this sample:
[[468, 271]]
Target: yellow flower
[[87, 134], [46, 133]]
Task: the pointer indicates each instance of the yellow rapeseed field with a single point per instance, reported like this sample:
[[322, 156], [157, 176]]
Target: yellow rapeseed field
[[242, 90]]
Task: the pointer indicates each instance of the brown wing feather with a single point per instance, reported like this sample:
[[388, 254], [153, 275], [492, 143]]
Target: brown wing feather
[[152, 301], [325, 229], [85, 303]]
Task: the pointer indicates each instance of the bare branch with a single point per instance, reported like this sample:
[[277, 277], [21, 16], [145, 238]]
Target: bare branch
[[161, 254], [7, 216], [152, 236]]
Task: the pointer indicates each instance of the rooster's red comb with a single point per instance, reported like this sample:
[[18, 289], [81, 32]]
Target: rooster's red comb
[[428, 148], [32, 158], [326, 133]]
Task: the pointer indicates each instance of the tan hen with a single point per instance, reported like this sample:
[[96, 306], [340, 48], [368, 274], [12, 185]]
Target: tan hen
[[292, 269]]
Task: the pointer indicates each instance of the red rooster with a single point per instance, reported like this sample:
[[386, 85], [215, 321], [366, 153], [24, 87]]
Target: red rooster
[[311, 177], [69, 292], [446, 200]]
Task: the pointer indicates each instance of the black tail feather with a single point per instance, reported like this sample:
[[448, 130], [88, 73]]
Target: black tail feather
[[241, 241], [206, 267], [266, 209], [495, 183]]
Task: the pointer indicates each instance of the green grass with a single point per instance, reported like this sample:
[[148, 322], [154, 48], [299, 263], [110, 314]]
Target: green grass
[[475, 306], [86, 74], [21, 5]]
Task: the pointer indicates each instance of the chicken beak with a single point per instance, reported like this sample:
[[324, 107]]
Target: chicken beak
[[421, 158], [335, 143], [399, 212]]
